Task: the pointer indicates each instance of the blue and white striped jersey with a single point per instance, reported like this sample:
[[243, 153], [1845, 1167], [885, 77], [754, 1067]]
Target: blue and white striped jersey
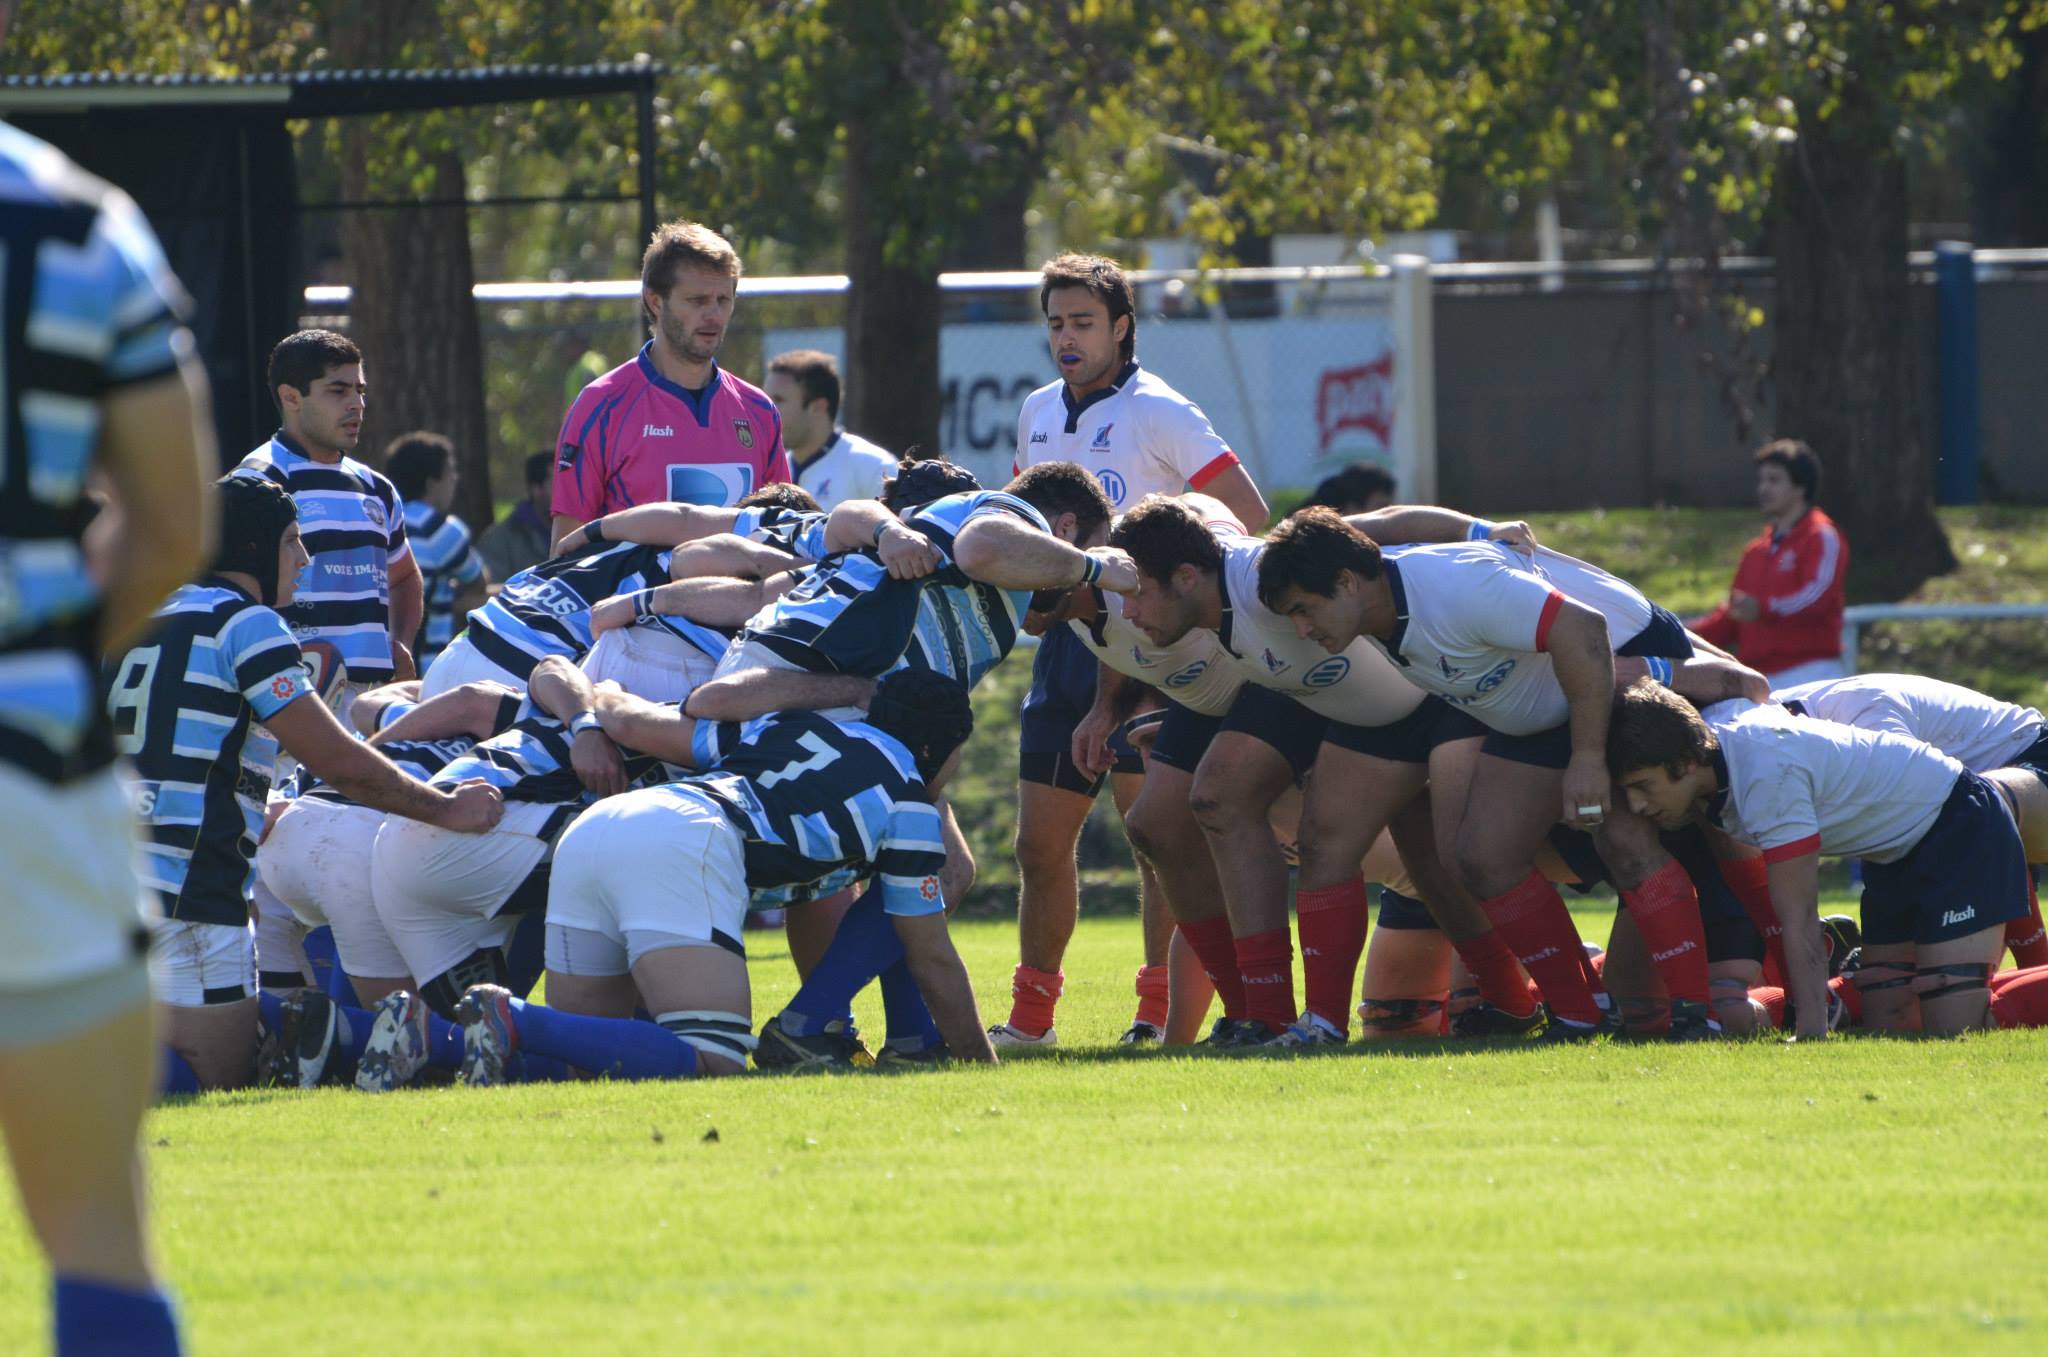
[[351, 521], [850, 617], [91, 307], [446, 551], [800, 532], [186, 707], [545, 610], [815, 797], [417, 759], [529, 761]]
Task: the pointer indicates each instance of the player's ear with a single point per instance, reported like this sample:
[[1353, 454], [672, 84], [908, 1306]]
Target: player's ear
[[1120, 329], [1067, 527]]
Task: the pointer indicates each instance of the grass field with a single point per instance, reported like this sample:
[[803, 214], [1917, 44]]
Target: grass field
[[1863, 1197]]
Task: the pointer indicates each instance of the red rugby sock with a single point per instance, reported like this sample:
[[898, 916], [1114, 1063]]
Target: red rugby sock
[[1265, 962], [1033, 996], [1497, 973], [1216, 949], [1750, 879], [2027, 938], [1845, 989], [1152, 996], [1772, 997], [1532, 920], [2022, 999], [1333, 925], [1666, 909]]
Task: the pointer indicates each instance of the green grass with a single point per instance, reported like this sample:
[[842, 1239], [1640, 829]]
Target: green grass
[[1865, 1197]]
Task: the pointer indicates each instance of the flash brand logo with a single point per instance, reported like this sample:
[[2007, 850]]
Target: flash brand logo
[[1957, 916], [657, 431]]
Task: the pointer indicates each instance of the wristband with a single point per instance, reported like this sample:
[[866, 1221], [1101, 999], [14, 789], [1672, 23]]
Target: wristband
[[593, 531], [584, 720], [1480, 531], [881, 528], [1660, 670], [1091, 570], [643, 604]]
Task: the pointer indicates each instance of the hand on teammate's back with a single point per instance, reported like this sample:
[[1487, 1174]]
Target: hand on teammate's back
[[1516, 534], [610, 614], [474, 807], [598, 764], [906, 553]]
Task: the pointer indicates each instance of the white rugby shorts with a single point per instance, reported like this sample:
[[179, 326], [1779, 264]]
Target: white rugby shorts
[[317, 861], [662, 860], [438, 892]]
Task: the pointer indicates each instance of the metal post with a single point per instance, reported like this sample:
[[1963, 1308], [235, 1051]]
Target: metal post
[[649, 217], [1955, 287]]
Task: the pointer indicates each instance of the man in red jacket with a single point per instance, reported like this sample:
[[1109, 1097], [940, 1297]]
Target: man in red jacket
[[1784, 612]]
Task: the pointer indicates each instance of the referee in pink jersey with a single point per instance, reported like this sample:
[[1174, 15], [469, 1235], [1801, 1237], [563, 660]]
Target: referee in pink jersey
[[671, 424]]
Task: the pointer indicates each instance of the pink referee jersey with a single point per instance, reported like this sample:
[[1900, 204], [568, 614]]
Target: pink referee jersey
[[634, 437]]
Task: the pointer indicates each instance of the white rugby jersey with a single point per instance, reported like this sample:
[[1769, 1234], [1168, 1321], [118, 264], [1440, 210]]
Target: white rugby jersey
[[1979, 732], [1472, 622], [1797, 786], [1195, 671], [847, 467], [1138, 436], [1358, 687]]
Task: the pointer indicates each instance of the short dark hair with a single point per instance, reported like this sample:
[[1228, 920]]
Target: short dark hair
[[1104, 278], [1355, 484], [301, 359], [684, 244], [413, 459], [1055, 488], [928, 712], [1161, 534], [1309, 549], [540, 466], [815, 374], [919, 481], [1653, 727], [779, 495], [1800, 462]]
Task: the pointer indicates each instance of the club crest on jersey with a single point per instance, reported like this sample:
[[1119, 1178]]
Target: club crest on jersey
[[1112, 485], [1451, 672], [1328, 672], [929, 888], [373, 509], [1274, 664], [743, 429], [1102, 436], [1182, 678], [565, 459], [1495, 676]]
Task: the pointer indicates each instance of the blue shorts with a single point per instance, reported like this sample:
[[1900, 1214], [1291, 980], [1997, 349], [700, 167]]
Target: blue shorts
[[1062, 691], [1267, 716], [1729, 933], [1405, 912], [1967, 873], [1663, 637], [1412, 738], [1543, 749]]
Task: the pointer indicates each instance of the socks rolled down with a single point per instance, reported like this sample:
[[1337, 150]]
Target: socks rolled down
[[1265, 963], [2026, 938], [100, 1319], [1497, 974], [865, 946], [1034, 994], [1532, 920], [1666, 909], [175, 1074], [1333, 922], [1153, 989], [1216, 949], [2020, 998], [551, 1041]]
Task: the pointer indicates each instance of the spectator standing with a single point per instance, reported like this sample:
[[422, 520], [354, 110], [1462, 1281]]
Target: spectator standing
[[423, 467], [829, 463], [1784, 612], [521, 538], [1358, 488], [671, 424]]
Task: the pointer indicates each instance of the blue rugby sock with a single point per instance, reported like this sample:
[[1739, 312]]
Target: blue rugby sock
[[97, 1319], [531, 1067], [909, 1018], [351, 1033], [176, 1074], [444, 1042], [865, 946], [270, 1006], [526, 953], [615, 1048]]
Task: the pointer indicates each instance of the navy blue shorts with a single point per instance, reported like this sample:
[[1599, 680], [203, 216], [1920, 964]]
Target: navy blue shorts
[[1267, 716], [1729, 933], [1412, 738], [1967, 873], [1062, 691], [1403, 911], [1544, 749], [1663, 637]]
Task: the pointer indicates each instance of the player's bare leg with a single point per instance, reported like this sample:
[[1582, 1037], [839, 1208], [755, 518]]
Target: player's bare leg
[[218, 1040], [1188, 992], [1239, 778], [597, 996], [1165, 835], [698, 981], [1154, 982], [1049, 821], [1418, 870]]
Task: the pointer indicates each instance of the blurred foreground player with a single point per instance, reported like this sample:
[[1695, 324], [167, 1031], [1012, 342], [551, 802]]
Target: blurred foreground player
[[98, 374]]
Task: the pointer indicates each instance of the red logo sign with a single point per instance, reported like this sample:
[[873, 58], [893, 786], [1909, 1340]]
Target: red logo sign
[[1357, 398], [282, 687], [929, 888]]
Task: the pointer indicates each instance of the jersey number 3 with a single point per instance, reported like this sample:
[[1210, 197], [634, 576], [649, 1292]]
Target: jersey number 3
[[822, 756]]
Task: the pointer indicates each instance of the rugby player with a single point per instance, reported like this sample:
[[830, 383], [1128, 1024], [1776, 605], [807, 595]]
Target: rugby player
[[98, 376], [424, 471], [1518, 657], [1137, 436], [1943, 867], [827, 461], [651, 888], [202, 706]]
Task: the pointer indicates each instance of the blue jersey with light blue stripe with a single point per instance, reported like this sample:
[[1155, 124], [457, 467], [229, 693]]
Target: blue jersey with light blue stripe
[[800, 532], [91, 307], [446, 552], [545, 609], [815, 798], [352, 523], [186, 706], [850, 617], [530, 761]]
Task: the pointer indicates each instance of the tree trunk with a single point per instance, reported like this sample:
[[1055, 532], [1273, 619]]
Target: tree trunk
[[1844, 367], [2012, 171], [892, 313]]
